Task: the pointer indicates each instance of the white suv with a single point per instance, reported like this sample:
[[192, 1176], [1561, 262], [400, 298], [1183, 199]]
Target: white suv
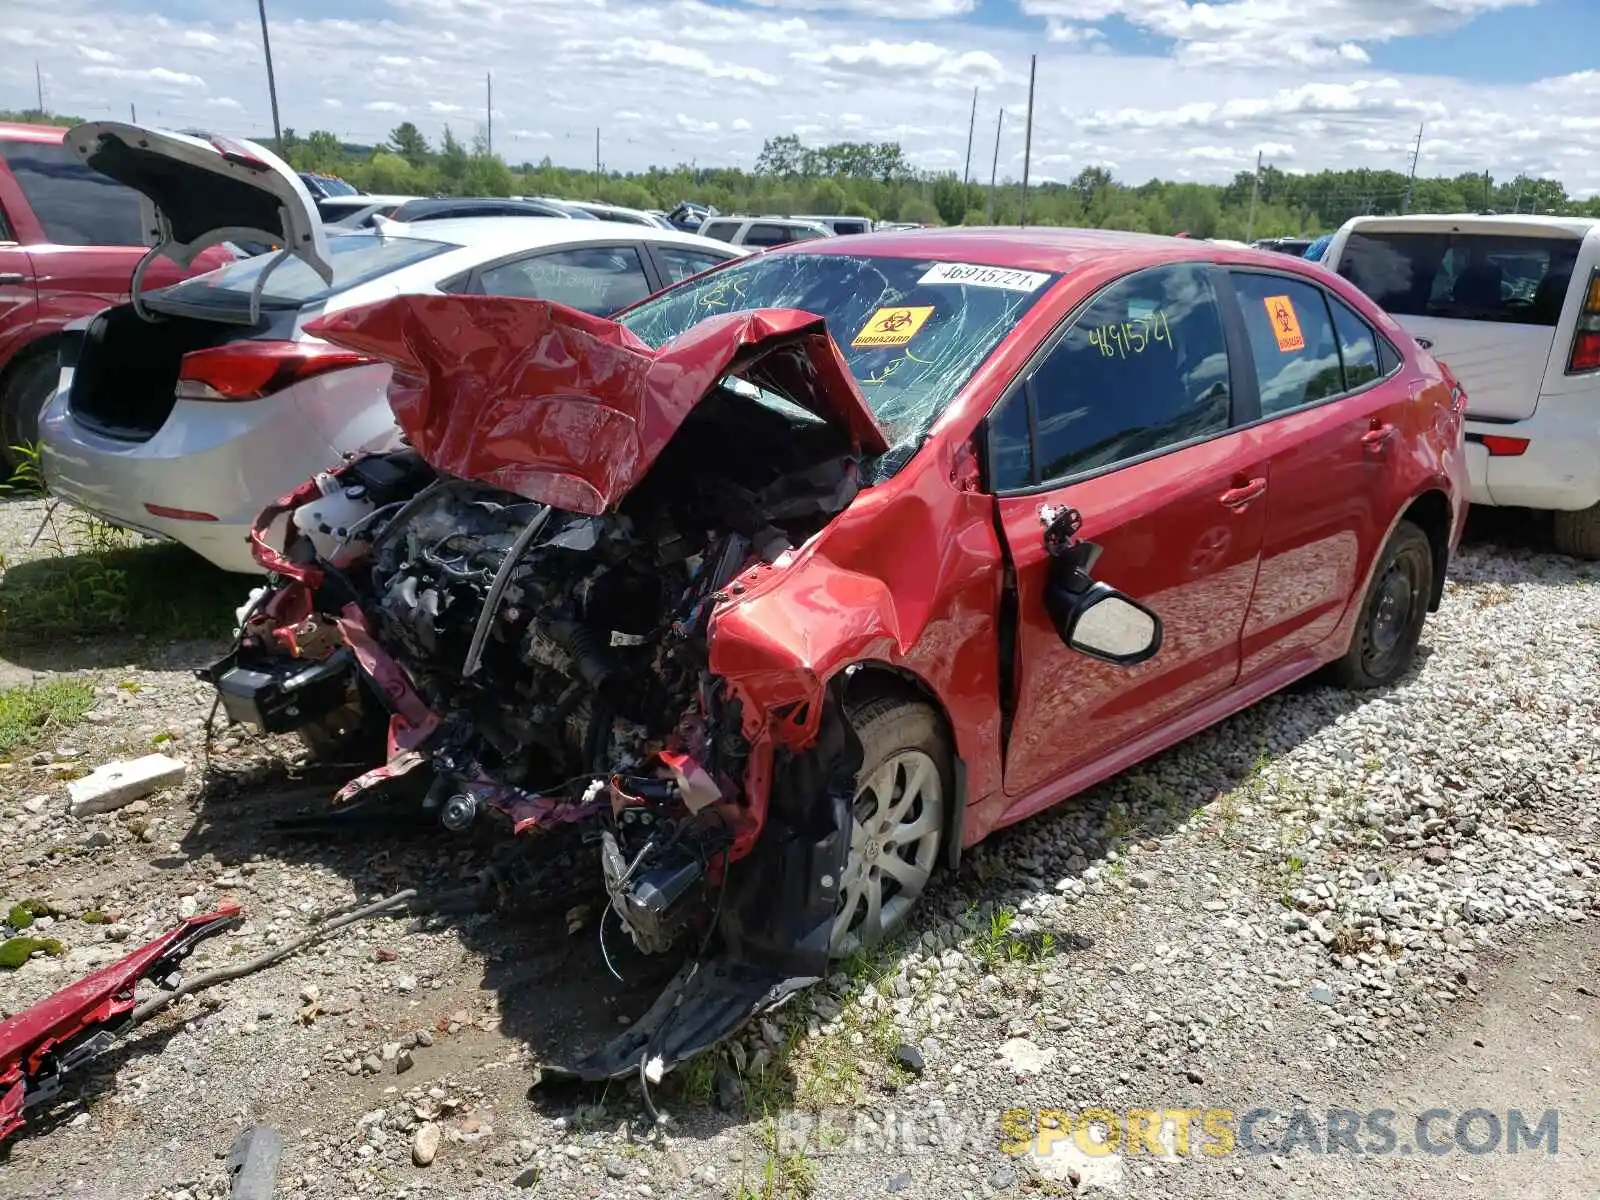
[[761, 232], [1512, 305]]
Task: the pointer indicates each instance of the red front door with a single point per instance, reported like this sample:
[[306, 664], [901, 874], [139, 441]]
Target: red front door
[[1132, 412], [1181, 534]]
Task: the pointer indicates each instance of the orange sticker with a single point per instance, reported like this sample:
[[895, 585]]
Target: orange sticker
[[1285, 325]]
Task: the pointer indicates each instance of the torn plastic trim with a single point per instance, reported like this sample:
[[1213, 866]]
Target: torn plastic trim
[[775, 918]]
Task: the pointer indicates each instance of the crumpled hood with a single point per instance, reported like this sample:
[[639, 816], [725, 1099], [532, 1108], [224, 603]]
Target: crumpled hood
[[569, 409]]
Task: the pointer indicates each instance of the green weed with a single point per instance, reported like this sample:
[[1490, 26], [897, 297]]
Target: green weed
[[36, 711]]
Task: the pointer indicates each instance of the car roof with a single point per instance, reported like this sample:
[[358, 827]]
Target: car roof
[[1448, 222], [18, 132], [363, 199], [514, 233], [1038, 248]]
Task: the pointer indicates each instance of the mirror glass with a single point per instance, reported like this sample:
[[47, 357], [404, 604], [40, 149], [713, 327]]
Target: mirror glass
[[1116, 627]]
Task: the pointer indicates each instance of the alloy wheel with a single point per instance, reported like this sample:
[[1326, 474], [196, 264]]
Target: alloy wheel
[[897, 819]]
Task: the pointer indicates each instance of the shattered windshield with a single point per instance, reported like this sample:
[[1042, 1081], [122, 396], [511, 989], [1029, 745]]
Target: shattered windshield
[[912, 330]]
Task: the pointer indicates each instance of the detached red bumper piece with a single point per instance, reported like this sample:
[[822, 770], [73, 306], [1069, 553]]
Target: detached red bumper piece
[[41, 1045]]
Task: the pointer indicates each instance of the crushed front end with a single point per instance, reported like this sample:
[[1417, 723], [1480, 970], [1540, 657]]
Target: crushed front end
[[523, 600]]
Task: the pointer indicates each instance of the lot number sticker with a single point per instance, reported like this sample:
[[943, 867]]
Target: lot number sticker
[[1285, 325], [1004, 278], [892, 326]]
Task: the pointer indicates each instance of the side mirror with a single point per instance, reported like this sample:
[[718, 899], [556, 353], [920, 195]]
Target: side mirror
[[1092, 618], [1105, 624]]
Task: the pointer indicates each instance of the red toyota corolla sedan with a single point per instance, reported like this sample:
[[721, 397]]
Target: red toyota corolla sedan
[[806, 573]]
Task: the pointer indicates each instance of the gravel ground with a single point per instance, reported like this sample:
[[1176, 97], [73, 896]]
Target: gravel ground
[[1328, 900]]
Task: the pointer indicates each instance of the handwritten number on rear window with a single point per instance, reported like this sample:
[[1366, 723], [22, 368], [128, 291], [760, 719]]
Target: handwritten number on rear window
[[1131, 337]]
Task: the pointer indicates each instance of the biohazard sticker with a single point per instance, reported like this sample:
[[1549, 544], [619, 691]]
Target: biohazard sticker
[[1285, 325], [892, 326]]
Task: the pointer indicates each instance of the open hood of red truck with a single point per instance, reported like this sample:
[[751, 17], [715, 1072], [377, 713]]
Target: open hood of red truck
[[569, 409]]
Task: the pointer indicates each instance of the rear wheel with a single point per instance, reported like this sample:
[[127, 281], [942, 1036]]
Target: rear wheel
[[1392, 613], [28, 385], [902, 797], [1578, 533]]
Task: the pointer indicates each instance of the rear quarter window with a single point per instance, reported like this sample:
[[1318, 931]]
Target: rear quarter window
[[1506, 278], [76, 206]]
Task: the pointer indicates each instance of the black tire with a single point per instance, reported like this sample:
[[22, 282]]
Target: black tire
[[905, 740], [1578, 533], [1392, 613], [28, 385]]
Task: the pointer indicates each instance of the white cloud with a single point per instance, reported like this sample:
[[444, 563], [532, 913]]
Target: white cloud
[[384, 106], [227, 102], [740, 125], [1072, 35], [1275, 32], [693, 125], [152, 75], [906, 10], [99, 56], [438, 106]]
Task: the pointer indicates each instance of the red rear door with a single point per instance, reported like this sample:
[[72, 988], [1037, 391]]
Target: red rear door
[[1128, 419], [1334, 413]]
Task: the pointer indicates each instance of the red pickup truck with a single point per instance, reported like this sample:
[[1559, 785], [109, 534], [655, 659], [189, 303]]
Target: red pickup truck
[[69, 241]]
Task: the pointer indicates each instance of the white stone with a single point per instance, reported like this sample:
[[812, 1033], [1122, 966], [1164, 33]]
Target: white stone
[[116, 784]]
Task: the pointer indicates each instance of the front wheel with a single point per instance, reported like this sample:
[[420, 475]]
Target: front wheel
[[903, 794], [1392, 612]]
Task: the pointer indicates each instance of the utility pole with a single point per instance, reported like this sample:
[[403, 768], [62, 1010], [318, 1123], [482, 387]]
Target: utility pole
[[38, 84], [488, 112], [1027, 144], [1405, 203], [1255, 189], [994, 168], [272, 83], [597, 162], [966, 172], [1488, 199], [133, 113]]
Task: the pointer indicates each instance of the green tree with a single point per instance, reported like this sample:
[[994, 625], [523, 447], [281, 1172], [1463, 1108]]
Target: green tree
[[453, 162], [406, 140]]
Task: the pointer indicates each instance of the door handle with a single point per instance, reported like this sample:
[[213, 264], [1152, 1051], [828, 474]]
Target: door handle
[[1378, 437], [12, 277], [1239, 496]]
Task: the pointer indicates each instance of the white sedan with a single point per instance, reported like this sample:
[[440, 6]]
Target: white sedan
[[186, 416]]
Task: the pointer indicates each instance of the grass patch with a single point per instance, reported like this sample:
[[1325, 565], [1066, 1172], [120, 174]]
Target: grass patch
[[156, 589], [29, 713], [781, 1176], [999, 943], [16, 951]]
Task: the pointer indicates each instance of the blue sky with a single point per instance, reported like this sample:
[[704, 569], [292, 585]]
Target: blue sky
[[1167, 88]]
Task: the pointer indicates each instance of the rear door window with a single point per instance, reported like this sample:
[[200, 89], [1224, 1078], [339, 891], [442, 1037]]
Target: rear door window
[[1143, 368], [680, 263], [355, 258], [767, 233], [597, 280], [1292, 341], [76, 205], [1507, 278]]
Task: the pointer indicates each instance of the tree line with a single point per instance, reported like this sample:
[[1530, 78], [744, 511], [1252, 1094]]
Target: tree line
[[877, 180]]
